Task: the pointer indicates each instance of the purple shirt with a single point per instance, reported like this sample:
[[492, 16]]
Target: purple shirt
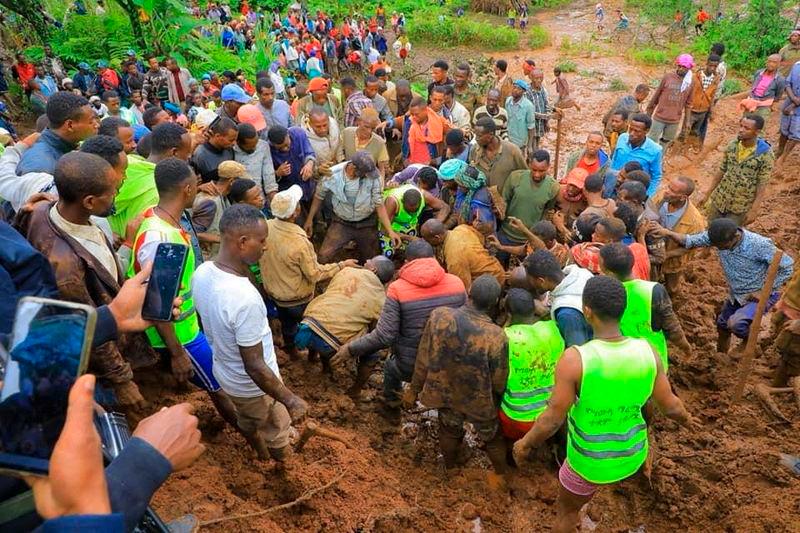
[[300, 152]]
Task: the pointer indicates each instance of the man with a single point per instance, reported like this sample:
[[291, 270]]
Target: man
[[737, 189], [355, 190], [439, 77], [139, 191], [702, 98], [459, 116], [180, 341], [745, 257], [84, 79], [668, 103], [768, 85], [372, 87], [347, 309], [537, 94], [673, 210], [528, 194], [534, 348], [363, 137], [47, 84], [119, 129], [466, 93], [233, 97], [617, 125], [155, 87], [177, 82], [493, 110], [404, 206], [276, 111], [466, 388], [71, 120], [502, 81], [254, 153], [293, 159], [786, 325], [648, 310], [421, 287], [244, 356], [354, 101], [593, 159], [210, 203], [107, 78], [318, 96], [790, 53], [790, 119], [636, 146], [631, 103], [83, 260], [113, 104], [207, 157], [495, 157], [463, 250], [521, 118], [423, 133], [566, 290], [609, 230], [602, 450], [457, 146], [323, 134], [289, 265], [52, 64]]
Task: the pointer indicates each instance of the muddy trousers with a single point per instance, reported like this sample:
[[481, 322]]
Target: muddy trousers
[[394, 374], [451, 433], [788, 347]]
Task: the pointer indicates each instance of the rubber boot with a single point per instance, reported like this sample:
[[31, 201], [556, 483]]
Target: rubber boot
[[363, 372], [496, 450], [449, 444]]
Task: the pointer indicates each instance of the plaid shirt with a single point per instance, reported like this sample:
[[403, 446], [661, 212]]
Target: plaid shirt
[[541, 108], [353, 107], [706, 80]]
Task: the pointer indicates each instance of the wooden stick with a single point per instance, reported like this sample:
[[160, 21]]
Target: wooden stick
[[303, 498], [755, 327], [558, 145], [313, 429]]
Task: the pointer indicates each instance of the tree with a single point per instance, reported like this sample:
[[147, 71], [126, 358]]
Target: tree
[[33, 12]]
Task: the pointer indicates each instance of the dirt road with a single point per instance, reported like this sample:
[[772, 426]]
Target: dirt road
[[724, 478]]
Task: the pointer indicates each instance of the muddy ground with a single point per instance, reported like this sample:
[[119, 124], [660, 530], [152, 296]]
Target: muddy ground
[[724, 478]]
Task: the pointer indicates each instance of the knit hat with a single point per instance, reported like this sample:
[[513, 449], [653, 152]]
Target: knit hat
[[285, 202], [232, 169], [249, 114], [102, 64], [368, 113]]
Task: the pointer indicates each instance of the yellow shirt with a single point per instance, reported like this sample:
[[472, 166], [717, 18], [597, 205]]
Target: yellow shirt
[[466, 257]]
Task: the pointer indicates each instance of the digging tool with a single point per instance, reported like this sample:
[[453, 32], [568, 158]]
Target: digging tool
[[313, 429], [755, 327], [558, 145]]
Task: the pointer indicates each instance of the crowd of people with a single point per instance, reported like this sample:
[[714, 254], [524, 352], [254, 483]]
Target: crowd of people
[[349, 220]]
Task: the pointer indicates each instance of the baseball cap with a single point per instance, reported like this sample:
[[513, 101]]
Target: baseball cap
[[66, 81], [522, 84], [172, 108], [365, 164], [233, 92], [317, 84], [131, 52], [232, 169], [204, 118], [94, 99], [285, 202], [249, 114], [102, 64], [84, 65]]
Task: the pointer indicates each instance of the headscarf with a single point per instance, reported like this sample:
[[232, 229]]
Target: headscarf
[[470, 178]]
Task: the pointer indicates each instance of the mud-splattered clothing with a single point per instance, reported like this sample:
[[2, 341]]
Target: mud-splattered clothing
[[741, 178], [462, 363]]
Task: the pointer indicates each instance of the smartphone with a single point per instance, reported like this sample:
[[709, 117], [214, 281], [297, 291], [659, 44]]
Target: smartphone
[[50, 345], [165, 281]]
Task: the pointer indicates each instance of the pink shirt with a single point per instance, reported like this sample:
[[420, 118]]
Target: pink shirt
[[763, 84]]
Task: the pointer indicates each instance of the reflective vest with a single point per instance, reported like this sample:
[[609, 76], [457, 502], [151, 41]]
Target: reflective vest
[[533, 351], [403, 221], [638, 316], [607, 435], [186, 324]]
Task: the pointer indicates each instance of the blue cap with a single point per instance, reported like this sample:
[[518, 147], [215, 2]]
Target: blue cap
[[102, 64], [131, 52], [233, 92], [522, 84], [172, 108], [206, 77], [139, 131], [84, 65]]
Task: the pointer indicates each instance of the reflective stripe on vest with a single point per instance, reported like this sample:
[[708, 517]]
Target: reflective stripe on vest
[[607, 435], [533, 350], [638, 316], [187, 326]]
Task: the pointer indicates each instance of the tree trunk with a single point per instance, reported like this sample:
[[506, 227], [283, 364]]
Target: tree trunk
[[32, 11], [132, 11]]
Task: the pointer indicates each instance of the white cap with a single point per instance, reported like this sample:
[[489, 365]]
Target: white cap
[[285, 202], [204, 118]]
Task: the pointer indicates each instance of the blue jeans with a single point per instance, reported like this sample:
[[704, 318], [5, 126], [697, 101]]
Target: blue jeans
[[736, 318], [290, 317], [573, 326], [307, 338]]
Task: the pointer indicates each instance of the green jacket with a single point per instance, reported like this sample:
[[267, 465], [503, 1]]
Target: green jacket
[[736, 191]]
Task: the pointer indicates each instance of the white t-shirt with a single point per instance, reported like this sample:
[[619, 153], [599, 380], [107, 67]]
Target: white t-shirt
[[233, 315]]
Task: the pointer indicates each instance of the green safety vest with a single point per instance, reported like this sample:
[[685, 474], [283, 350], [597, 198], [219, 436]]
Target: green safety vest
[[404, 221], [637, 319], [607, 435], [533, 351], [186, 324]]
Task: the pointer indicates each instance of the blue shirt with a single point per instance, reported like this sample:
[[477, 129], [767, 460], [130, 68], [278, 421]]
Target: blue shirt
[[278, 115], [746, 264], [521, 119], [649, 154], [47, 85], [300, 152], [44, 154]]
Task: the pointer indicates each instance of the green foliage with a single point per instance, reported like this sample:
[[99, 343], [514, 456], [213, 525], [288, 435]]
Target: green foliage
[[90, 38], [731, 86], [650, 56], [663, 10], [748, 39], [585, 47], [538, 37], [463, 31], [616, 85], [567, 65]]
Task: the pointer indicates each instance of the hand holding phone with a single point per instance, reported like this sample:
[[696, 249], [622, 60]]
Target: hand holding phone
[[165, 281]]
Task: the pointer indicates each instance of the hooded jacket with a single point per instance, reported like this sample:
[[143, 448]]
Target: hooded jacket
[[423, 285]]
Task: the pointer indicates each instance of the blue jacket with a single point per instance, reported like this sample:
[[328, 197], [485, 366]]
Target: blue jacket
[[44, 154]]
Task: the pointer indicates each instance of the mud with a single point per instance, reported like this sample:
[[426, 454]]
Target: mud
[[723, 478]]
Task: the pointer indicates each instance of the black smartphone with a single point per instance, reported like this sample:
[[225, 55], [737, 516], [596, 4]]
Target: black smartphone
[[50, 345], [165, 281]]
